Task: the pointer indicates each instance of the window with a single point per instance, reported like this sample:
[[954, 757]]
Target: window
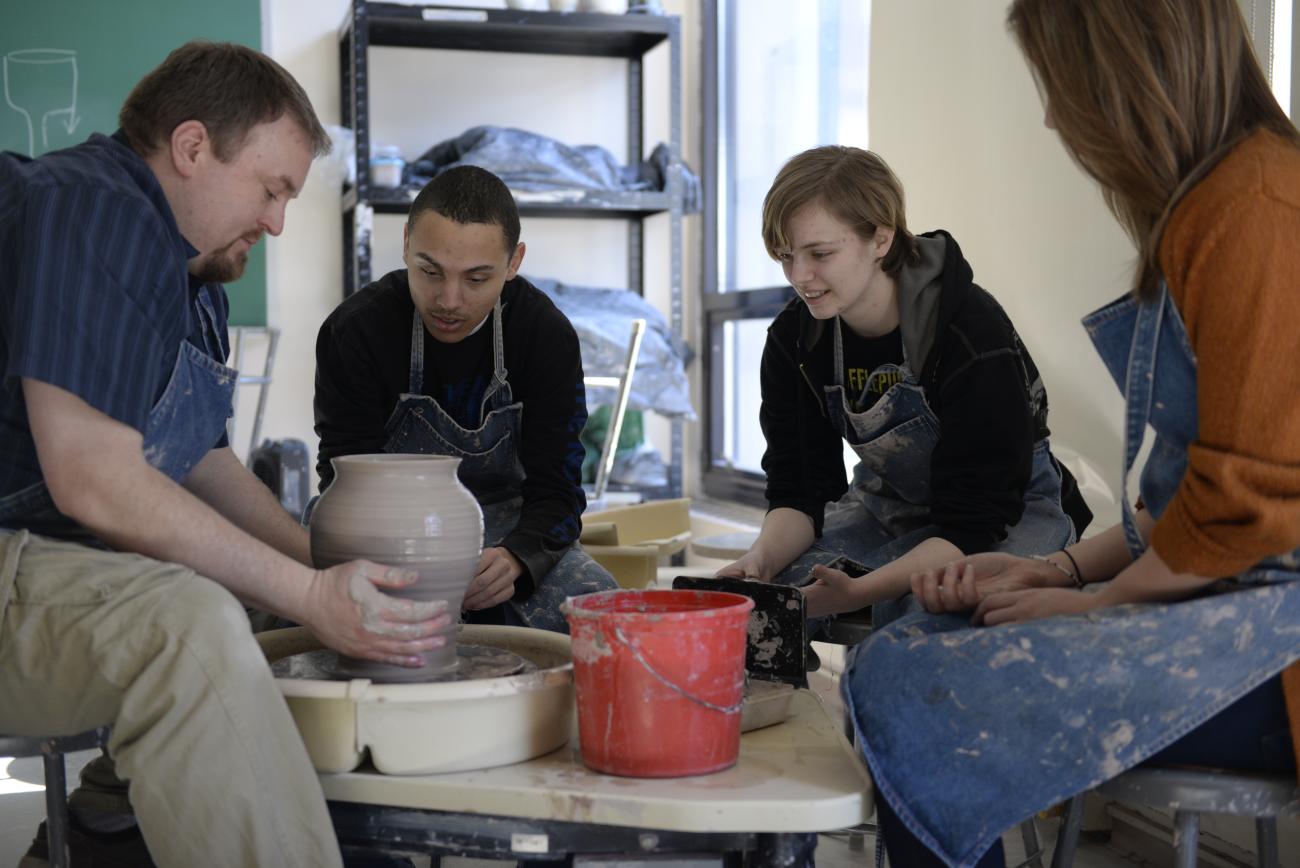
[[780, 78]]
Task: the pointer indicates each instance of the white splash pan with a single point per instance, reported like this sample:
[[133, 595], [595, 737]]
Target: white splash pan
[[449, 726]]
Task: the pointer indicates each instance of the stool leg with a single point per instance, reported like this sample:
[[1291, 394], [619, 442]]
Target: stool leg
[[1266, 842], [1187, 829], [56, 810], [1067, 839], [1033, 852]]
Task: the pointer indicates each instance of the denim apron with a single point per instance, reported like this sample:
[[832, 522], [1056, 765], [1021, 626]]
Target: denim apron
[[491, 469], [885, 512], [967, 731], [184, 425]]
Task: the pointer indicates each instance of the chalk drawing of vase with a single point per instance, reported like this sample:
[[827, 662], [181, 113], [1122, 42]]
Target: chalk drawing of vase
[[42, 83]]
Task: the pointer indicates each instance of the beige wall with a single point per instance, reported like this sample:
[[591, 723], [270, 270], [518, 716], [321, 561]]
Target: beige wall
[[578, 100], [955, 112]]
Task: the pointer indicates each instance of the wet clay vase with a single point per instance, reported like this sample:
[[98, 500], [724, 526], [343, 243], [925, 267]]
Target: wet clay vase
[[402, 511]]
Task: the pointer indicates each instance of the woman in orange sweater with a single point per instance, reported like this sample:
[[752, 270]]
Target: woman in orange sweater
[[1177, 654]]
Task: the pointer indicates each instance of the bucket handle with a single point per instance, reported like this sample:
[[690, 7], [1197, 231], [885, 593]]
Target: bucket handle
[[636, 653]]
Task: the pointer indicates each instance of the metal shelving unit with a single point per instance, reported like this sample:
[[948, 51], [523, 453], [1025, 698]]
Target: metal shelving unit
[[507, 30]]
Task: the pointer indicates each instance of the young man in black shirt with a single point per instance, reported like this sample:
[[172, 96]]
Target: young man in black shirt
[[457, 355]]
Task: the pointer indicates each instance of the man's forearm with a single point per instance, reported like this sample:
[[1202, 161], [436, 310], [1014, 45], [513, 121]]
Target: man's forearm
[[222, 482], [119, 497], [158, 518]]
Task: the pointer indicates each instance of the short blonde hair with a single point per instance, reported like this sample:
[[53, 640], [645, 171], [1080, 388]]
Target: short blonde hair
[[855, 186]]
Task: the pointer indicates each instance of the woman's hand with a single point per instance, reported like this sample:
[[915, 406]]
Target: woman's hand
[[830, 592], [959, 586], [1013, 607], [749, 566]]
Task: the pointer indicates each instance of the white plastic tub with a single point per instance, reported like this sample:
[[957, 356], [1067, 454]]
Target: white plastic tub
[[431, 728]]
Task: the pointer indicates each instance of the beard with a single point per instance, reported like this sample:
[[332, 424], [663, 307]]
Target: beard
[[222, 266]]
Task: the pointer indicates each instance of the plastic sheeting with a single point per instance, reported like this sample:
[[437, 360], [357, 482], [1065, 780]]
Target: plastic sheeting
[[532, 163], [603, 320]]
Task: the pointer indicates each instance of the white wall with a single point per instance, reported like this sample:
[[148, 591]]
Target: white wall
[[954, 111], [304, 264], [419, 97]]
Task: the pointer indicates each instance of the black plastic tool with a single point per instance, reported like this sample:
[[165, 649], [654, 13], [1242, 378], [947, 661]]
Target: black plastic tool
[[777, 626]]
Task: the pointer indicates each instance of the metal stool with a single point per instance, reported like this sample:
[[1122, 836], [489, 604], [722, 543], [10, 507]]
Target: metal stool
[[51, 751], [1189, 793]]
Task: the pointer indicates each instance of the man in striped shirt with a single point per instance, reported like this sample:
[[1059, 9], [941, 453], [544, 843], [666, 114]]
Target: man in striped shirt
[[130, 534]]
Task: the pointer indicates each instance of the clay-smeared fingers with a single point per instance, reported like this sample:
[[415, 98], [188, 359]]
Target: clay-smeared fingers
[[410, 611], [387, 577], [412, 630]]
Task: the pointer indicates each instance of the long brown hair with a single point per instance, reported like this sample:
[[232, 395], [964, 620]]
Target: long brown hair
[[1147, 96]]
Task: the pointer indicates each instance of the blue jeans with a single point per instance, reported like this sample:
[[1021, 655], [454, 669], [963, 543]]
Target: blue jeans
[[1253, 734]]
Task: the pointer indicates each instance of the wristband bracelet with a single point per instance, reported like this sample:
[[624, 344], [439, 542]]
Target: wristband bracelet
[[1078, 573], [1073, 577]]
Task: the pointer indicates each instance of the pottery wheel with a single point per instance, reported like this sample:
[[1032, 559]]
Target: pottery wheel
[[474, 662]]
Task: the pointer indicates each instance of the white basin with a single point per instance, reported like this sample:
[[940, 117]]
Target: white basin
[[429, 728]]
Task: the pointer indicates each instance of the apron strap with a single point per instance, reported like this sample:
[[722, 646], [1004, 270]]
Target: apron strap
[[498, 347], [1137, 403], [498, 384], [415, 384], [837, 372]]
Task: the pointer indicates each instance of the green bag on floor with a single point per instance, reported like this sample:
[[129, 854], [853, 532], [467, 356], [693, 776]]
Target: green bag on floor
[[593, 437]]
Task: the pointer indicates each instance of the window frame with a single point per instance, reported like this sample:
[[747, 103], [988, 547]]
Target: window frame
[[720, 305]]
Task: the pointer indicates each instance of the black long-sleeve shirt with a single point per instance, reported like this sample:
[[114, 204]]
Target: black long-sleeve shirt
[[978, 379], [363, 367]]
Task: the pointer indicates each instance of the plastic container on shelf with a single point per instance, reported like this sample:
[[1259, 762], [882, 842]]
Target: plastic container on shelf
[[386, 167]]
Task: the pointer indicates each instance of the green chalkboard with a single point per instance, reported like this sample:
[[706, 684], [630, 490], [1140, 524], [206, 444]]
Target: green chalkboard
[[69, 64]]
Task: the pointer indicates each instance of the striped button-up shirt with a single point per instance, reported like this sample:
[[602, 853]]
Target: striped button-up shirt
[[95, 295]]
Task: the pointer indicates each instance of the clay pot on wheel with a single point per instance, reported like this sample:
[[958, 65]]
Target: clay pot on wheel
[[403, 511]]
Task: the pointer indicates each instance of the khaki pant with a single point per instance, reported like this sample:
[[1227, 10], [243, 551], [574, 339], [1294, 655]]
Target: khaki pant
[[217, 773]]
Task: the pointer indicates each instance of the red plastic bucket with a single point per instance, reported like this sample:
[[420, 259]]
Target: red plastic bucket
[[659, 677]]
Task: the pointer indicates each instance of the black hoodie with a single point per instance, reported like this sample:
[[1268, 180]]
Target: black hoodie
[[977, 378]]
